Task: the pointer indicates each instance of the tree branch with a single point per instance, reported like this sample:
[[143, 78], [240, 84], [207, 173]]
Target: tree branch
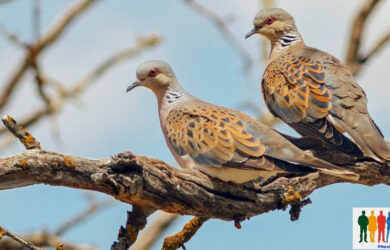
[[57, 103], [136, 221], [92, 209], [34, 50], [147, 182], [42, 239], [357, 28], [24, 136], [381, 43], [223, 29], [354, 57], [150, 184], [154, 230], [177, 240], [59, 27]]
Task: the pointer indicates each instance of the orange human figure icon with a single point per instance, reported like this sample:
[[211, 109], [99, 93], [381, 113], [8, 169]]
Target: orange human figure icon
[[372, 226], [381, 219]]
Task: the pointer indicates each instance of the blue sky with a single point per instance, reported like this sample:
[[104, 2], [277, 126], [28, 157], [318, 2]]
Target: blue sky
[[111, 121]]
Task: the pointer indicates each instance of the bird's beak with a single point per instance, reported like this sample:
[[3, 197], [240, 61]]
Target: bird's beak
[[252, 32], [133, 85]]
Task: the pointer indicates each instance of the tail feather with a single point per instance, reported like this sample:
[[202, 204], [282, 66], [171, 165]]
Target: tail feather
[[368, 136], [328, 168]]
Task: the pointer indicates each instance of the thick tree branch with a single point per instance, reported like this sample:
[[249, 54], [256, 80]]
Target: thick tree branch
[[147, 182]]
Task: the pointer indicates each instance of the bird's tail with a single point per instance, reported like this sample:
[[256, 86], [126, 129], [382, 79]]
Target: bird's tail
[[329, 169], [369, 138]]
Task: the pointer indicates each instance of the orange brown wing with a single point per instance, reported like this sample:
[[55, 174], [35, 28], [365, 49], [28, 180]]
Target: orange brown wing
[[211, 135], [294, 89]]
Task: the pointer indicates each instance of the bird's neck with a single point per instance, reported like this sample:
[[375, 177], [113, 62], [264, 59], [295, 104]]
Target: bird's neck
[[284, 42], [173, 95], [170, 97]]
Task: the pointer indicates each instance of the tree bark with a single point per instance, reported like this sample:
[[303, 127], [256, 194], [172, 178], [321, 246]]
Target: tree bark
[[151, 183]]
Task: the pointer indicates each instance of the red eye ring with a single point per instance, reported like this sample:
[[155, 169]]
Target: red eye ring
[[154, 72], [270, 20]]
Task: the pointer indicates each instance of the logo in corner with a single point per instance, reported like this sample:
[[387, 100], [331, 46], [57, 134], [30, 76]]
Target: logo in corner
[[370, 228]]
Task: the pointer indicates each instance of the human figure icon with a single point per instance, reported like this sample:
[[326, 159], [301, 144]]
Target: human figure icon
[[363, 223], [381, 219], [388, 226], [372, 226]]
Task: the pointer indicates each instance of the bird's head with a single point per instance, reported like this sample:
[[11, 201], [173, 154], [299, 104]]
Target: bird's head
[[155, 75], [272, 23]]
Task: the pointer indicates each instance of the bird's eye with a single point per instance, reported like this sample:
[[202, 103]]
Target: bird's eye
[[154, 72], [270, 20]]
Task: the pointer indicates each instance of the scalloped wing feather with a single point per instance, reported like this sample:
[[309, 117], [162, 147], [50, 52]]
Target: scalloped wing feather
[[210, 134], [294, 88]]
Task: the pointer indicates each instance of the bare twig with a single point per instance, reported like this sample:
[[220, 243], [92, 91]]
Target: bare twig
[[353, 57], [93, 208], [42, 239], [222, 27], [140, 46], [177, 240], [154, 230], [33, 50], [57, 103], [24, 136], [380, 44], [5, 232], [13, 38], [59, 27], [136, 221], [36, 20]]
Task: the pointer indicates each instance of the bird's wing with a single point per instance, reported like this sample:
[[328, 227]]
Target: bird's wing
[[294, 89], [222, 137], [214, 135], [349, 109]]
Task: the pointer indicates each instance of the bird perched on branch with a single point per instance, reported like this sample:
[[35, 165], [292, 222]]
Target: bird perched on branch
[[314, 92], [222, 142]]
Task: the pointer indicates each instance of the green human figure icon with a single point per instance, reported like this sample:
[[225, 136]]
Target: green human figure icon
[[372, 226], [363, 223], [381, 219]]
